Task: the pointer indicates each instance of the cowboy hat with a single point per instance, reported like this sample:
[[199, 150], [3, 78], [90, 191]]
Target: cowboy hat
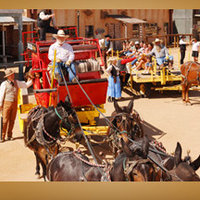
[[60, 34], [137, 42], [157, 40], [8, 72]]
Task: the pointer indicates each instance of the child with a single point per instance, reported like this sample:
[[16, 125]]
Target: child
[[114, 87], [195, 49], [148, 64]]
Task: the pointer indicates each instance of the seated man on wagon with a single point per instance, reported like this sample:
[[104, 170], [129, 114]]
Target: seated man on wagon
[[64, 56], [161, 53]]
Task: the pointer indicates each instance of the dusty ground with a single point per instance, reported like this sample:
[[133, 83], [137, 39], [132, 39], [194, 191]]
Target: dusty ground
[[164, 116]]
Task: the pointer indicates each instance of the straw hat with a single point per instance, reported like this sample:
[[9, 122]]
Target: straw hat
[[60, 34], [8, 72]]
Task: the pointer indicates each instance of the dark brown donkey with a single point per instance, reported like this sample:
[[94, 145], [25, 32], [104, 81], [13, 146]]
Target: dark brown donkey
[[190, 76], [43, 131], [125, 123]]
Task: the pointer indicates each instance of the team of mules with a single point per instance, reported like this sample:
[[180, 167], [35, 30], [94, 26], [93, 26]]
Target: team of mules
[[136, 158], [132, 164]]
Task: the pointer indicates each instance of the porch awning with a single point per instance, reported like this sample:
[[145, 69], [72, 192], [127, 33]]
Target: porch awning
[[11, 21], [131, 20]]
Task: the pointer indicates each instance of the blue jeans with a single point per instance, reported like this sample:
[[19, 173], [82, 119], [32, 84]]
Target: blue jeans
[[161, 60], [70, 73]]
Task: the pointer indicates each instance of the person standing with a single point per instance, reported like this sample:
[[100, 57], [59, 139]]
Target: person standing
[[106, 46], [182, 45], [8, 101], [195, 49], [64, 56], [43, 21], [114, 87]]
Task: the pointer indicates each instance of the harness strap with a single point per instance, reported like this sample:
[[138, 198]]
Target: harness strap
[[88, 163], [130, 165]]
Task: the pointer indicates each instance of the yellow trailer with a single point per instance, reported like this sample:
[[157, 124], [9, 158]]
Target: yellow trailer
[[164, 79]]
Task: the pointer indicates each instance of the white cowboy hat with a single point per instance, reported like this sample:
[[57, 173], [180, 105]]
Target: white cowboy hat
[[8, 72], [157, 40], [137, 42], [60, 34]]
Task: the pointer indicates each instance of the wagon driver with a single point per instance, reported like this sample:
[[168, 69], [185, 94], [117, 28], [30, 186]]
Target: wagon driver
[[8, 101], [64, 56]]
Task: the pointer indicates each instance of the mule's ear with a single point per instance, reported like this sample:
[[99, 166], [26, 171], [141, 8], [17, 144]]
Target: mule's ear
[[67, 99], [117, 108], [126, 149], [196, 164], [178, 153], [145, 146], [130, 106]]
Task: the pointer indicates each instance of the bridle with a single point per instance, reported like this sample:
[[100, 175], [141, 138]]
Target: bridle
[[129, 165], [124, 117]]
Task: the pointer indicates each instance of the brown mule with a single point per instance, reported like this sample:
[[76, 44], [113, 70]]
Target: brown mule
[[190, 72]]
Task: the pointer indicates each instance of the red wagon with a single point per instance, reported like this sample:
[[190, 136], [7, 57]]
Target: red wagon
[[88, 70]]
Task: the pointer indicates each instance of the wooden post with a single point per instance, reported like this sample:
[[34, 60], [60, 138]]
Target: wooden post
[[174, 41], [179, 59], [165, 41]]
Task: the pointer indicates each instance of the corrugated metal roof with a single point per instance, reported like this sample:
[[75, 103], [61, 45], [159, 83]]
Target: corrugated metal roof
[[131, 20], [10, 20]]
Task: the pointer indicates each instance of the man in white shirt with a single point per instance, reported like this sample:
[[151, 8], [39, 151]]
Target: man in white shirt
[[64, 56], [106, 47], [195, 49], [44, 19], [182, 45], [8, 101]]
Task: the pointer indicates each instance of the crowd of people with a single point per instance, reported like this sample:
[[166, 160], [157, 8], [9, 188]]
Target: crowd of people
[[138, 55]]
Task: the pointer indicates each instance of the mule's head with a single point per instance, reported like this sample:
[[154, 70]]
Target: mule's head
[[122, 119], [138, 166], [70, 120], [184, 171]]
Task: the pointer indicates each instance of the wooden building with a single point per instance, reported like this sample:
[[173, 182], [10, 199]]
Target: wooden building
[[90, 20]]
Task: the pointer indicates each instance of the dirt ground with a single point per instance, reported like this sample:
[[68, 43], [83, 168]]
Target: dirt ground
[[164, 117]]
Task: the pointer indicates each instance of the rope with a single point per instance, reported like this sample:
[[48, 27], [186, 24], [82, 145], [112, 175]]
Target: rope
[[66, 83], [87, 162]]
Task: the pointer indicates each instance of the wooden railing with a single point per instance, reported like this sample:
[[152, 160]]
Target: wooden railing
[[170, 38]]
